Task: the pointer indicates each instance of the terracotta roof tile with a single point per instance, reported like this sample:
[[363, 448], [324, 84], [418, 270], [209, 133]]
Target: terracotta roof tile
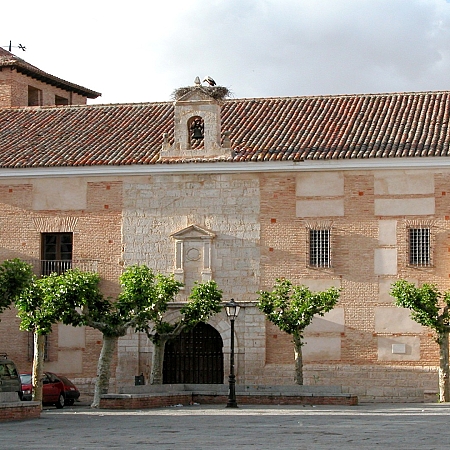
[[265, 129]]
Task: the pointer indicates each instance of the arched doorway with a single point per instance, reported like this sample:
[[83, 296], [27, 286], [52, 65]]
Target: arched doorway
[[194, 357]]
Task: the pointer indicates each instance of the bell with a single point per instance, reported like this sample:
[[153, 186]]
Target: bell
[[197, 133]]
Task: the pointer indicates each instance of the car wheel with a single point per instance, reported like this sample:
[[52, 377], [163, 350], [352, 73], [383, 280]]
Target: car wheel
[[61, 401], [70, 402]]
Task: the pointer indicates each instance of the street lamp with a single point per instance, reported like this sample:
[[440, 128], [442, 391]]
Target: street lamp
[[232, 309]]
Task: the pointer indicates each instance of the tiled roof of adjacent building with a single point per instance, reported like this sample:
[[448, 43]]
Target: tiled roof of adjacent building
[[262, 129], [7, 59]]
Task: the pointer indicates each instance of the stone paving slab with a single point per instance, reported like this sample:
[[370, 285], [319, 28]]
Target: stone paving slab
[[367, 426]]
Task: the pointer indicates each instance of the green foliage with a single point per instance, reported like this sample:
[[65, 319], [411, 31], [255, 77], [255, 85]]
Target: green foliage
[[55, 298], [428, 306], [204, 301], [145, 296], [15, 276], [292, 308], [143, 290], [144, 301]]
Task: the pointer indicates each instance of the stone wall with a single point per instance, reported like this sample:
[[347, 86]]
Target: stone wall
[[228, 205]]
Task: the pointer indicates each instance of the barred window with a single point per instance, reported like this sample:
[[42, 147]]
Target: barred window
[[419, 246], [56, 252], [319, 248]]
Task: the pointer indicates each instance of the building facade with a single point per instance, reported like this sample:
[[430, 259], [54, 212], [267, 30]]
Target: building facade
[[345, 191]]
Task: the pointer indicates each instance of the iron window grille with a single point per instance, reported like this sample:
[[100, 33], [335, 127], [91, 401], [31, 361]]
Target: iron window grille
[[320, 248], [419, 247], [56, 252]]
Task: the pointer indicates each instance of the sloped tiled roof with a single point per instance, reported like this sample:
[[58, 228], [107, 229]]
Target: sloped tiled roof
[[262, 129], [7, 59]]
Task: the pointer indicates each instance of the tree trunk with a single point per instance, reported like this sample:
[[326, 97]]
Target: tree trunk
[[443, 367], [156, 376], [298, 359], [104, 368], [38, 366]]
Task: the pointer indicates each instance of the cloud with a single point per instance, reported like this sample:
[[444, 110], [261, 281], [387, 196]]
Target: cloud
[[141, 51], [283, 47]]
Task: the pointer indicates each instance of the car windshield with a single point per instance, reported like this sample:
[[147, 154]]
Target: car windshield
[[12, 370], [25, 378]]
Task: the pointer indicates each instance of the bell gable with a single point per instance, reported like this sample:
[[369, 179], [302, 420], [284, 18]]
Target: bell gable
[[197, 125]]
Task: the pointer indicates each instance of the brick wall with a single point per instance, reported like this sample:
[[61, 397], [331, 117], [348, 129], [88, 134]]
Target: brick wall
[[14, 90], [355, 238], [157, 401], [260, 225], [96, 236], [19, 411]]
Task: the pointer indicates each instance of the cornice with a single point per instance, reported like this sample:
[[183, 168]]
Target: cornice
[[434, 163]]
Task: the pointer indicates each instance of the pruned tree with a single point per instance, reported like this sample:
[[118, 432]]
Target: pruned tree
[[203, 302], [108, 318], [50, 300], [292, 308], [15, 276], [429, 307], [143, 294]]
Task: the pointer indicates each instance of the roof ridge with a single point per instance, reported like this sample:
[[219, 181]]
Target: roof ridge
[[231, 100], [373, 94], [102, 105]]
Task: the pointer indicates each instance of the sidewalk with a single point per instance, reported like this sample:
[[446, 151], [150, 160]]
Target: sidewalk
[[367, 426]]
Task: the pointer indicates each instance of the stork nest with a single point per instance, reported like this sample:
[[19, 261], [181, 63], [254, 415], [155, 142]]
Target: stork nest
[[216, 92]]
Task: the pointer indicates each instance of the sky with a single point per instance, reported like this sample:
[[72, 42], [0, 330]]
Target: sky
[[140, 51]]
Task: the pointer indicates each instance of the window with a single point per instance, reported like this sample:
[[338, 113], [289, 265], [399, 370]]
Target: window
[[319, 248], [61, 101], [419, 247], [56, 252], [34, 96]]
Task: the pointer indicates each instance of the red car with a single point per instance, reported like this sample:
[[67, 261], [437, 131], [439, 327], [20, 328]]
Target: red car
[[57, 389]]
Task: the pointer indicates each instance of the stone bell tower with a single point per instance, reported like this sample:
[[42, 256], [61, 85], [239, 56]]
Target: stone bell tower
[[197, 124]]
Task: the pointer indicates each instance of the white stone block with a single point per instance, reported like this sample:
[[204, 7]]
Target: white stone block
[[395, 320], [59, 194], [385, 261], [399, 348], [332, 321], [403, 182], [384, 288], [69, 361], [71, 337], [313, 184], [320, 208], [405, 206], [322, 348], [387, 232]]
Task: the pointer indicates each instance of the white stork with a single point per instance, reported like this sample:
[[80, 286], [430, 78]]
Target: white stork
[[210, 81]]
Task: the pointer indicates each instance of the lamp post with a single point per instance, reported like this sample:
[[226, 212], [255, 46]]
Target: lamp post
[[232, 309]]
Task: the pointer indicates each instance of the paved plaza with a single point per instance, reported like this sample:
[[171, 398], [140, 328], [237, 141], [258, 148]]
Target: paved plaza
[[368, 426]]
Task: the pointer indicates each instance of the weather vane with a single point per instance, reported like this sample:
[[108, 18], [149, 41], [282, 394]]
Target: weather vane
[[22, 47]]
